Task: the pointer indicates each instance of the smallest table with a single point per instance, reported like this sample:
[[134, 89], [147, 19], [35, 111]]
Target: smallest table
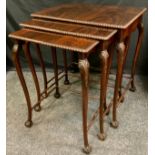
[[76, 44]]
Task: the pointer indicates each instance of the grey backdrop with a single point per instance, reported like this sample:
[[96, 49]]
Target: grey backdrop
[[19, 10]]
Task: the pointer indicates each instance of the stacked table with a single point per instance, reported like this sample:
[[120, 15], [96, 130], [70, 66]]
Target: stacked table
[[82, 28]]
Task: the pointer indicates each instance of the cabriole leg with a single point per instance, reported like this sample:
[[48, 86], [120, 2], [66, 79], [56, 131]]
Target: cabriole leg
[[16, 61], [127, 41], [120, 52], [139, 42], [110, 57], [26, 46], [84, 71], [103, 84]]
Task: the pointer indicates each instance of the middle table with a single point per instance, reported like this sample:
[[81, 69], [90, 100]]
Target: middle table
[[106, 38]]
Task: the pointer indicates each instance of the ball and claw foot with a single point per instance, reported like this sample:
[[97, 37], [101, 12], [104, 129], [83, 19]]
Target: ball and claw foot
[[101, 136], [114, 124], [87, 149], [66, 82], [132, 88], [37, 107], [28, 123], [57, 95]]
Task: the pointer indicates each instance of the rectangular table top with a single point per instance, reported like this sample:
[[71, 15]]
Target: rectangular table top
[[55, 40], [70, 29], [112, 16]]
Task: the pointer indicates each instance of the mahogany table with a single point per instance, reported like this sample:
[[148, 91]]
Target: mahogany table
[[76, 44], [124, 19]]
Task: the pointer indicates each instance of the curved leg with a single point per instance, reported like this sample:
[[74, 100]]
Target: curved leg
[[120, 50], [127, 41], [37, 107], [42, 67], [84, 71], [103, 83], [111, 53], [15, 57], [140, 37], [55, 65], [66, 82]]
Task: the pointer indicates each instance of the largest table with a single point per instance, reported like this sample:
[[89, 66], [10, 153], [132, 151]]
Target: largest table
[[124, 19]]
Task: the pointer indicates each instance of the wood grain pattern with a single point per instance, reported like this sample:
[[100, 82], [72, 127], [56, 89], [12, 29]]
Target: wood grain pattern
[[70, 29], [100, 15], [55, 40]]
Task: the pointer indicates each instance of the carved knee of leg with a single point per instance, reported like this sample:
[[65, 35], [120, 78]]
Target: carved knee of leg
[[121, 47], [104, 56], [84, 67]]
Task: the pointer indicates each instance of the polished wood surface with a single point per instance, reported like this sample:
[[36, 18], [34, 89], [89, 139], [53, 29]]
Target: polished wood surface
[[55, 40], [70, 29], [100, 15]]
